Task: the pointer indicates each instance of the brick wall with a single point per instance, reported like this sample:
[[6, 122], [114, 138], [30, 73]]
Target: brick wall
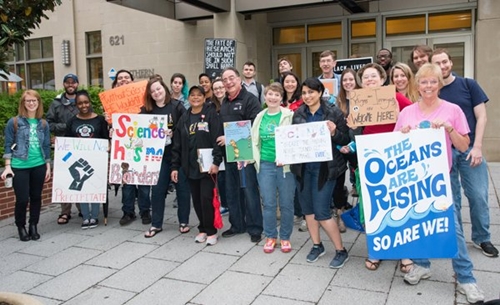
[[8, 200]]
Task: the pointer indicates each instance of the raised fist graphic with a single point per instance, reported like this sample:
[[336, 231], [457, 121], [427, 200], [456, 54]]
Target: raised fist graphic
[[80, 171]]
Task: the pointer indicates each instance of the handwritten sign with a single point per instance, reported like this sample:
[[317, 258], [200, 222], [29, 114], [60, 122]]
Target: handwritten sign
[[407, 199], [353, 63], [219, 54], [238, 141], [301, 143], [373, 106], [137, 148], [80, 170], [124, 99]]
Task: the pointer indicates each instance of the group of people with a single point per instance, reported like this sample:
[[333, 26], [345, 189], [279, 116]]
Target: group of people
[[255, 191]]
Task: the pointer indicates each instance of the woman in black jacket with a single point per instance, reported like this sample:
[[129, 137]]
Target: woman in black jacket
[[316, 180], [198, 128]]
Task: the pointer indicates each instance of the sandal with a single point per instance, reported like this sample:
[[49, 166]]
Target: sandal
[[152, 232], [371, 265], [405, 268], [184, 228], [63, 219]]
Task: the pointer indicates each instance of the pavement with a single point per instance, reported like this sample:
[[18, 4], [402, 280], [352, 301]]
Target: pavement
[[117, 265]]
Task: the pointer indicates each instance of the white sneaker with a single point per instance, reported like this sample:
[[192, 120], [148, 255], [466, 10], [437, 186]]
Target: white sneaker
[[303, 226], [297, 219], [416, 274], [472, 293], [201, 238], [212, 240]]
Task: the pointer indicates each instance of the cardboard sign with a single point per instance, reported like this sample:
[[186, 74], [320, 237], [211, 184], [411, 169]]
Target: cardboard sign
[[137, 148], [124, 99], [407, 199], [219, 54], [353, 63], [302, 143], [205, 160], [238, 141], [373, 106], [80, 170]]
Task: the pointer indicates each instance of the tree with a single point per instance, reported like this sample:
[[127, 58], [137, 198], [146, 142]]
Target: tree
[[18, 19]]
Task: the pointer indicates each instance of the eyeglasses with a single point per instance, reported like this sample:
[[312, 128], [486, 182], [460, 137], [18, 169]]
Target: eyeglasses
[[30, 101], [218, 88], [229, 79], [383, 56]]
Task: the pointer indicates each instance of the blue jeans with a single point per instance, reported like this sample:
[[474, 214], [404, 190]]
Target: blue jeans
[[272, 178], [128, 198], [474, 180], [244, 202], [90, 210], [462, 264], [313, 200], [183, 193]]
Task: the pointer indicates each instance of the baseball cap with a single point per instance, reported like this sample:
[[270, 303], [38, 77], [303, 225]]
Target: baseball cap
[[72, 76], [199, 88]]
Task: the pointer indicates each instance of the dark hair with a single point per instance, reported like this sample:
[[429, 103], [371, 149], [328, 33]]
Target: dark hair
[[82, 92], [440, 51], [206, 75], [297, 94], [380, 70], [249, 63], [384, 49], [421, 48], [148, 99], [342, 96], [115, 81], [184, 89], [315, 84], [199, 88]]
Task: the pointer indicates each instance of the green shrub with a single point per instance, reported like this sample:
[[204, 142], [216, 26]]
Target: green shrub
[[10, 103]]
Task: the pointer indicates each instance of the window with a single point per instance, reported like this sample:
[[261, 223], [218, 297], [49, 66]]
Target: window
[[457, 21], [94, 59], [405, 25], [324, 31], [288, 35], [363, 28]]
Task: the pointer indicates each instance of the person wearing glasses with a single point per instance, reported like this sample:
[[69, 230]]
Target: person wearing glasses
[[384, 58], [27, 160]]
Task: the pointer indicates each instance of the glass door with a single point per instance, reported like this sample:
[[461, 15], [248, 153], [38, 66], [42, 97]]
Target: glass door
[[401, 49], [460, 51], [294, 55]]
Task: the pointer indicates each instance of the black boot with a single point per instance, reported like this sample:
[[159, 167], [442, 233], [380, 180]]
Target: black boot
[[23, 235], [34, 232]]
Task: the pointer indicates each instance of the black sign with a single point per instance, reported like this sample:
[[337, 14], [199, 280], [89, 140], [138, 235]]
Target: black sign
[[219, 54], [353, 63]]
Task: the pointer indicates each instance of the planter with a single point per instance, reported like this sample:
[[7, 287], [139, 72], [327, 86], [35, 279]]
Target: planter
[[9, 298]]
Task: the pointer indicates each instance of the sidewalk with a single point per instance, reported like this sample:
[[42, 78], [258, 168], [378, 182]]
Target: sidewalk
[[117, 265]]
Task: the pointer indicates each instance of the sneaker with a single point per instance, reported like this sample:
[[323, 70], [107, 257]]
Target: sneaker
[[416, 274], [303, 226], [255, 238], [297, 219], [126, 219], [270, 244], [488, 249], [229, 233], [223, 210], [85, 224], [341, 257], [200, 238], [286, 246], [472, 293], [93, 223], [316, 252], [146, 218], [211, 240]]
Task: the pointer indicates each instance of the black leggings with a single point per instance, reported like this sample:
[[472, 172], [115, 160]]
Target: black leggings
[[202, 194], [28, 186]]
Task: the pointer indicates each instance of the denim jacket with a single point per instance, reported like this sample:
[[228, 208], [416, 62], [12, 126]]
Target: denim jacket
[[22, 139]]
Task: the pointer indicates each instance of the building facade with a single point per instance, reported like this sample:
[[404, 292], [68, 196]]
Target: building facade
[[91, 37]]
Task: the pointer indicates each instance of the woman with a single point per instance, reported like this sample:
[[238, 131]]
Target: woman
[[292, 97], [440, 113], [275, 180], [316, 180], [158, 101], [87, 124], [373, 76], [198, 128], [206, 82], [402, 77], [27, 159], [179, 88]]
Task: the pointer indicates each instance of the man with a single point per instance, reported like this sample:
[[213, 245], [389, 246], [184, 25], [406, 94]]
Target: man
[[470, 166], [243, 196], [327, 63], [250, 84], [284, 65], [60, 111], [384, 58], [419, 56]]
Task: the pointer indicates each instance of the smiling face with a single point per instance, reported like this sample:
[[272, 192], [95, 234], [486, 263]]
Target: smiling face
[[232, 82], [206, 83], [420, 58], [157, 92], [428, 87], [70, 86], [290, 84], [83, 104], [284, 66], [444, 63], [348, 82], [123, 79], [219, 90], [196, 99], [371, 78], [327, 64], [311, 97], [31, 103], [400, 80], [177, 85], [273, 99]]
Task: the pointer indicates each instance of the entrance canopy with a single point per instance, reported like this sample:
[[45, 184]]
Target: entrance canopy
[[11, 77]]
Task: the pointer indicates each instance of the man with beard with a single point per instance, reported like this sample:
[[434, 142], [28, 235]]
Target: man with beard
[[60, 111], [384, 58]]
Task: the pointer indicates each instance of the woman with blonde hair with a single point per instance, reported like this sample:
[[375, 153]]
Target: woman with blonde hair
[[402, 77]]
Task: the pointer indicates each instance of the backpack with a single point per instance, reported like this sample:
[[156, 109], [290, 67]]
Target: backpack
[[259, 89]]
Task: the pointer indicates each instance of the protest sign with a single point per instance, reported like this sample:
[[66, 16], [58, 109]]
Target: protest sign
[[373, 106], [137, 148], [238, 141], [205, 160], [353, 63], [124, 99], [407, 199], [219, 54], [330, 87], [80, 170], [301, 143]]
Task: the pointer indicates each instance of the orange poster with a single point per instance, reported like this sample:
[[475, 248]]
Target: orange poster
[[124, 99]]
